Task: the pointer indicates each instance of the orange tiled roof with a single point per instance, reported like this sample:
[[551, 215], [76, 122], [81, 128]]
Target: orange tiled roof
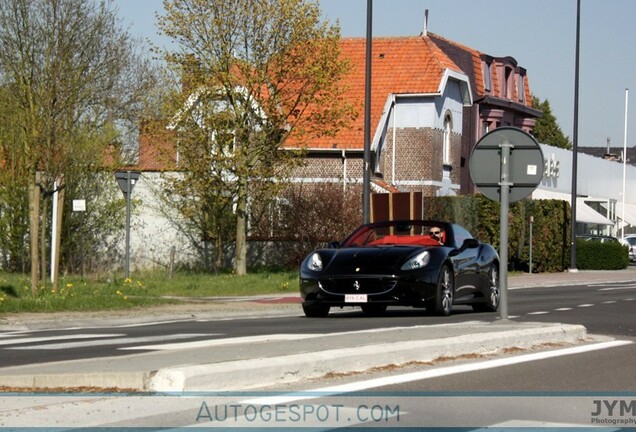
[[400, 65], [475, 71]]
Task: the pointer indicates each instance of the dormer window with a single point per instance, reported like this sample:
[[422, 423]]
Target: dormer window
[[507, 84], [486, 69], [521, 86]]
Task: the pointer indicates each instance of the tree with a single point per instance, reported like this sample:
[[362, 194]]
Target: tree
[[547, 130], [75, 81], [14, 205], [257, 74]]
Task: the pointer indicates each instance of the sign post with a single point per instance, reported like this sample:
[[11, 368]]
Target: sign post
[[126, 181], [506, 165]]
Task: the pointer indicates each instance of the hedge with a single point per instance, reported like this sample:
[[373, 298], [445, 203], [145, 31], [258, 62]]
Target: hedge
[[550, 232]]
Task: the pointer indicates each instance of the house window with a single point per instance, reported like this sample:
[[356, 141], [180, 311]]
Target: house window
[[487, 76], [507, 85], [484, 128], [448, 128], [521, 88]]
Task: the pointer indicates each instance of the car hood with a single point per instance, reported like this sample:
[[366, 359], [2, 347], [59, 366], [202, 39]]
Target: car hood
[[370, 260]]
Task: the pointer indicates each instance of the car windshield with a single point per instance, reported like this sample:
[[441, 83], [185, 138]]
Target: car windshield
[[412, 233]]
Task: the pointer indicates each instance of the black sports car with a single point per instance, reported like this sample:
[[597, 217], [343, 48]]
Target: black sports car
[[417, 263]]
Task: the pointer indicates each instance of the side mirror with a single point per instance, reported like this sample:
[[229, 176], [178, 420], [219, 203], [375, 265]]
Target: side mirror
[[334, 245], [469, 243]]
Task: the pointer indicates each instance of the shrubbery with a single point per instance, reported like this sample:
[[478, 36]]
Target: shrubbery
[[594, 255]]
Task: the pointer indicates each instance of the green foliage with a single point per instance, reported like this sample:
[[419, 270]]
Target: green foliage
[[72, 85], [147, 289], [594, 255], [481, 216], [89, 238], [255, 75], [547, 130]]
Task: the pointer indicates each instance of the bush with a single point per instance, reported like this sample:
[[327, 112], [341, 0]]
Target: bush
[[594, 255]]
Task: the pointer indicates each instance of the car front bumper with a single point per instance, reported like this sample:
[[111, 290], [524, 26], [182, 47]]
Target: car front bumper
[[414, 291]]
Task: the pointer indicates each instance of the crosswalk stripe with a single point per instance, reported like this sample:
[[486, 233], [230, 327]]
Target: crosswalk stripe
[[59, 337], [104, 342]]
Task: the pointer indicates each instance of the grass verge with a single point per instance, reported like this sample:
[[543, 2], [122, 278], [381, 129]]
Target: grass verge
[[140, 290]]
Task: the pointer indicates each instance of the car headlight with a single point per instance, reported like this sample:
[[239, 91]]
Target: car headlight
[[417, 262], [314, 263]]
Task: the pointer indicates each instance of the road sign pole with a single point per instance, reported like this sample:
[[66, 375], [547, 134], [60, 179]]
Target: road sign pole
[[504, 176], [127, 263], [504, 187], [126, 181]]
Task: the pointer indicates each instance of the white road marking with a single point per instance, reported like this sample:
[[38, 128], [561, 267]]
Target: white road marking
[[105, 342], [54, 338], [269, 338], [223, 342], [563, 309], [435, 373], [538, 313], [586, 305], [619, 288], [610, 302]]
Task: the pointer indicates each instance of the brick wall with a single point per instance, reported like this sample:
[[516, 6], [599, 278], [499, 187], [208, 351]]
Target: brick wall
[[419, 158]]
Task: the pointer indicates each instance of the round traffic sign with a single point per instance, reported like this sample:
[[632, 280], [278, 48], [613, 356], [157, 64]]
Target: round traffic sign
[[525, 164]]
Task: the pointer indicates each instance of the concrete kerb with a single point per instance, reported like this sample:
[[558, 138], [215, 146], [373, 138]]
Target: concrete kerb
[[259, 372]]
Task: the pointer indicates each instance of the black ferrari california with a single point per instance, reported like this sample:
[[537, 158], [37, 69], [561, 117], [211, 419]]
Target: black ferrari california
[[428, 264]]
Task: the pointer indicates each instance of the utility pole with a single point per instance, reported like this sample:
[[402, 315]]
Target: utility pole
[[366, 177]]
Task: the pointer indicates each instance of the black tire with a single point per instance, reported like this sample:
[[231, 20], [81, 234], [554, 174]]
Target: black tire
[[492, 296], [373, 309], [445, 291], [316, 310]]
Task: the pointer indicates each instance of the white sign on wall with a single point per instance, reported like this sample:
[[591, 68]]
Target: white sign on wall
[[79, 205]]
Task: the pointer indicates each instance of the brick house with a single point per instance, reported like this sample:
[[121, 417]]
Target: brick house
[[431, 101]]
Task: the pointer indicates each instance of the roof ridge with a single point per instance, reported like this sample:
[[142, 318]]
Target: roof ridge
[[436, 52], [457, 44]]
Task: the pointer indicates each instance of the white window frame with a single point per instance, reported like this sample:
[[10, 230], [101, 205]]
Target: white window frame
[[446, 143]]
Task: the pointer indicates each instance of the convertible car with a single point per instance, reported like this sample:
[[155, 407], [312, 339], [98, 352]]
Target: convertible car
[[429, 264]]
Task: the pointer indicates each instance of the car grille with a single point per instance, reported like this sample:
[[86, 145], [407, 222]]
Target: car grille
[[357, 286]]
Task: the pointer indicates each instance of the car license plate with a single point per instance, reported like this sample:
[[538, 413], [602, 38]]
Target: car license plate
[[355, 298]]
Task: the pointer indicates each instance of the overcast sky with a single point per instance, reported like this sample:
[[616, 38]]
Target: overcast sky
[[539, 34]]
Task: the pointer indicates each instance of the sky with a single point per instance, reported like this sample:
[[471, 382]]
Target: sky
[[539, 34]]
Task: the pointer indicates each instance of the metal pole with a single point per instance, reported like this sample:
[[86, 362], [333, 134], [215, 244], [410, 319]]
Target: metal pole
[[127, 263], [624, 165], [366, 177], [504, 188], [53, 231], [575, 138], [531, 224]]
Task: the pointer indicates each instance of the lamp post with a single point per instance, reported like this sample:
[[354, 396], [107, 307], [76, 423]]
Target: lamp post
[[624, 164], [366, 176], [575, 138]]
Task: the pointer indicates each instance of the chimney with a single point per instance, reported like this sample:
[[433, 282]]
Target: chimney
[[425, 30]]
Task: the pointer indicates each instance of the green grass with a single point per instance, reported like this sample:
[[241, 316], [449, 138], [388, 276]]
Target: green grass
[[140, 290]]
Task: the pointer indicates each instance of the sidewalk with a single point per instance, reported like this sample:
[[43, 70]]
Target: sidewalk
[[256, 362]]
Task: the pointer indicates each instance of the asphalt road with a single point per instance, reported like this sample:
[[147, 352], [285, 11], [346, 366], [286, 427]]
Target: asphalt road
[[603, 308], [555, 386]]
